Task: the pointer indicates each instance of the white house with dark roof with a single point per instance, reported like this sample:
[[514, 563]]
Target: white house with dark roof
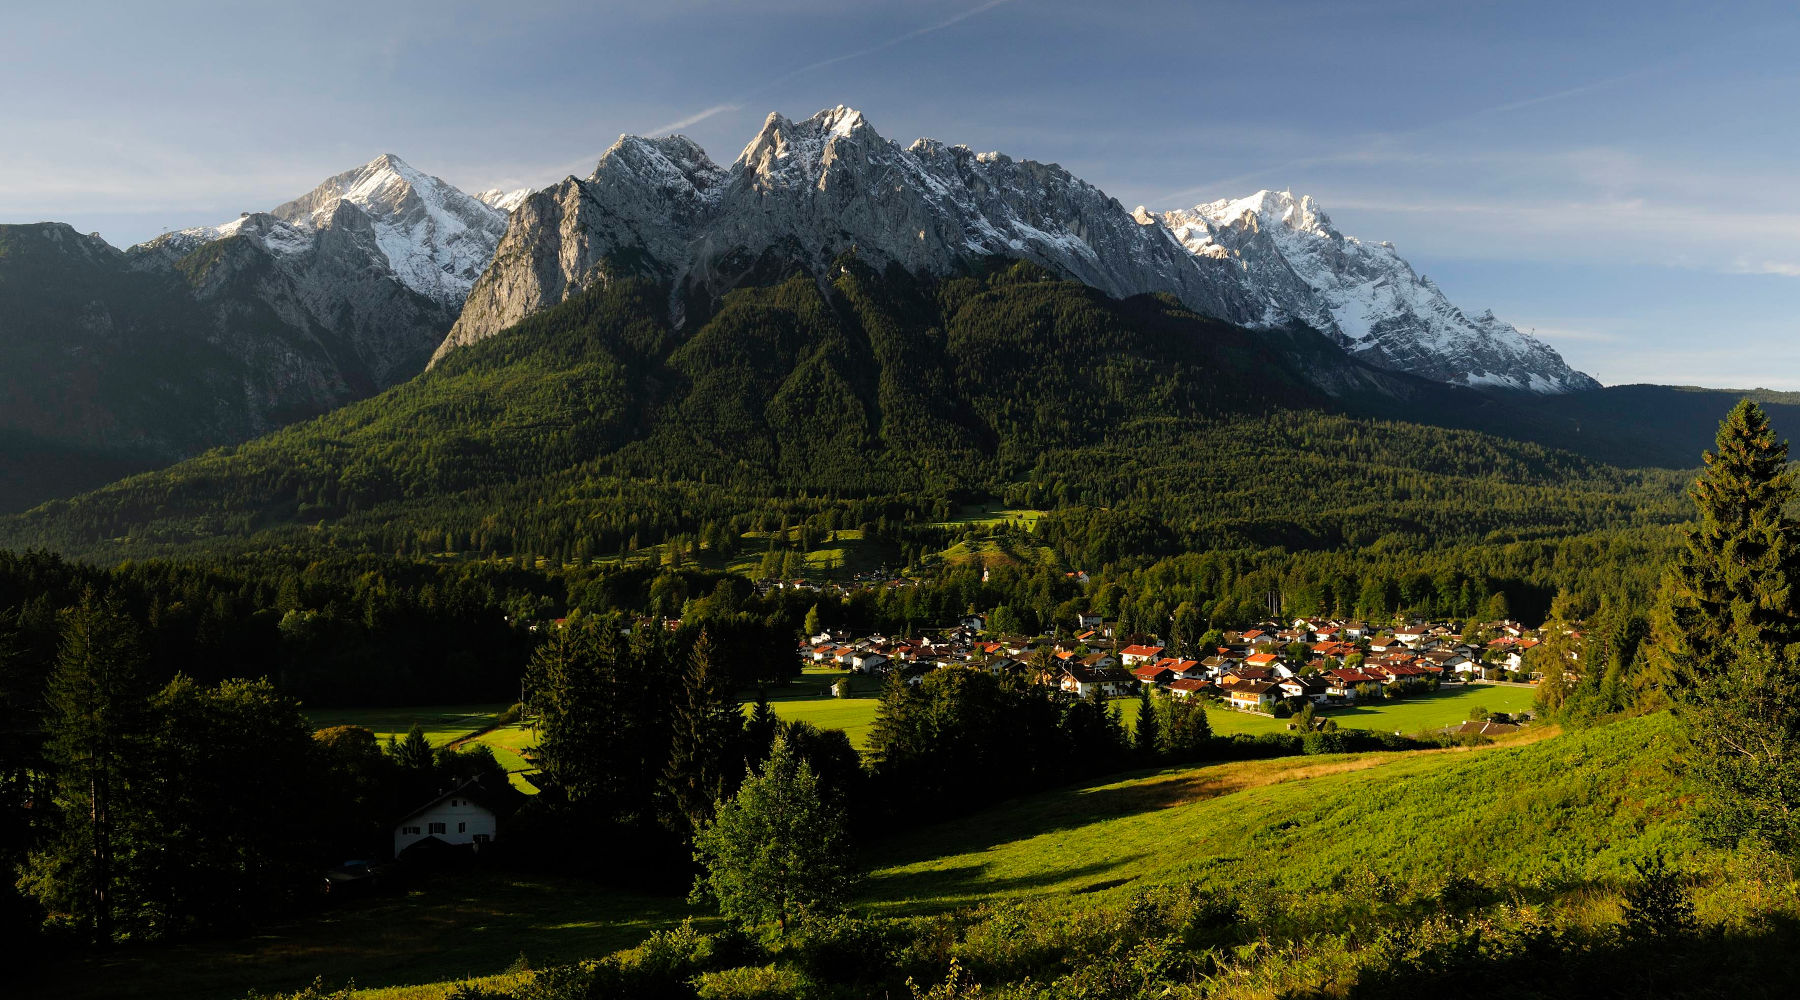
[[457, 817]]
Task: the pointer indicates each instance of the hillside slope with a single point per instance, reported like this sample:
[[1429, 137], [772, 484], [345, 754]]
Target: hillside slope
[[1539, 819]]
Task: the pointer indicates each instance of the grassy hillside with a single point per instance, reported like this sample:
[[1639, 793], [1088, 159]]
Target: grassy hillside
[[1542, 820]]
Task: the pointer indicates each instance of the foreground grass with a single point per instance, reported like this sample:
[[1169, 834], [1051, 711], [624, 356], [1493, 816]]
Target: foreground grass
[[444, 929]]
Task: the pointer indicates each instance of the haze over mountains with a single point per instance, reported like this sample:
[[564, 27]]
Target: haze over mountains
[[214, 334]]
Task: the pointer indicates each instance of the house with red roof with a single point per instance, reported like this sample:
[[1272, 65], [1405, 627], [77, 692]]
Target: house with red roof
[[1136, 655]]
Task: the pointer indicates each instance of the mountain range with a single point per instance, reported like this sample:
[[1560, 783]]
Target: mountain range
[[115, 360], [804, 191]]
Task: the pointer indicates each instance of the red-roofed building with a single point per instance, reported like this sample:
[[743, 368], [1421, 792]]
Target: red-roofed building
[[1187, 687], [1153, 673], [1136, 655]]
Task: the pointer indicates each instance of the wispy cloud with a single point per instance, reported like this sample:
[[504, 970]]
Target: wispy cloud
[[693, 119], [1785, 268], [956, 19], [776, 81]]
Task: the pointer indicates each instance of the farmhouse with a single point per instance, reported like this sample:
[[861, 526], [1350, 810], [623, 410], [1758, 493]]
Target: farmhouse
[[459, 817]]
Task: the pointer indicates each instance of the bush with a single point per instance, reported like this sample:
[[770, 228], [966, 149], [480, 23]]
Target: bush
[[1326, 742], [768, 982], [1657, 905], [841, 948]]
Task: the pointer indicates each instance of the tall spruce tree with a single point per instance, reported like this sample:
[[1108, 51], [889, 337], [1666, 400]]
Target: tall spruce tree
[[98, 734], [707, 744], [1733, 579], [1726, 631], [1143, 737]]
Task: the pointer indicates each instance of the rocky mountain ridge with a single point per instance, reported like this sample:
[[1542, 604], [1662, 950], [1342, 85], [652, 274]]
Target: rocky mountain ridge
[[803, 192]]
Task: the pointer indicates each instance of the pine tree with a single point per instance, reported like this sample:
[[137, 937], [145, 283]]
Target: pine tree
[[414, 752], [1726, 631], [1143, 738], [1733, 579], [97, 736], [760, 729], [707, 749]]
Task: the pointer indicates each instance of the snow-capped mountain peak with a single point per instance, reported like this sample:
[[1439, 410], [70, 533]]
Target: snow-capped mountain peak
[[436, 238], [802, 192], [502, 199], [1364, 294]]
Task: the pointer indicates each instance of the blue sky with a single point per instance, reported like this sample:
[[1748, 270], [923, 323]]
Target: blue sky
[[1617, 178]]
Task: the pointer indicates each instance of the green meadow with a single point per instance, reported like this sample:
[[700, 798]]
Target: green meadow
[[443, 724]]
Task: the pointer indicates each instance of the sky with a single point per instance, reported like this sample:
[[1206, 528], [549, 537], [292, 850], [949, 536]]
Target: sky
[[1616, 179]]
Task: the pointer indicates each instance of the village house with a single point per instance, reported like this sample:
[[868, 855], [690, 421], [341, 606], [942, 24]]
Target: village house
[[1137, 655], [1187, 687], [1154, 673], [1251, 696], [1342, 682], [456, 818], [1083, 681], [1311, 687]]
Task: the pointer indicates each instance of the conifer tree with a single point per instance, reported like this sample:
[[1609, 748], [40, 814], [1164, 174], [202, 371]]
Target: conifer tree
[[1726, 631], [776, 850], [1733, 579], [1143, 738], [760, 729], [414, 752], [98, 731], [707, 741]]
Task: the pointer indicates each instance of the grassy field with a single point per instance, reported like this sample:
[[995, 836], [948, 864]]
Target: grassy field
[[1448, 707], [988, 517], [442, 723], [1533, 817], [444, 928], [809, 699]]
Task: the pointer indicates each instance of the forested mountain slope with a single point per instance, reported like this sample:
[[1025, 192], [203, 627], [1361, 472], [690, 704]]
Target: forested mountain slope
[[598, 421]]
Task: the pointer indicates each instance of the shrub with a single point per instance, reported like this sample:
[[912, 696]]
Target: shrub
[[1657, 905], [767, 982]]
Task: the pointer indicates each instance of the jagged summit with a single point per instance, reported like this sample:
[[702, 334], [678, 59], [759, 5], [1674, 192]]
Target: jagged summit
[[1364, 294], [803, 191], [432, 238], [502, 199]]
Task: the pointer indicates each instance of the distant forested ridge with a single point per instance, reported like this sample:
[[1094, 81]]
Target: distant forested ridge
[[598, 426]]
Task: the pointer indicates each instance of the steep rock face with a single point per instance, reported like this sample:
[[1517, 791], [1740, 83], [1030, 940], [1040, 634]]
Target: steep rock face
[[215, 334], [1363, 294], [804, 192], [801, 193]]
